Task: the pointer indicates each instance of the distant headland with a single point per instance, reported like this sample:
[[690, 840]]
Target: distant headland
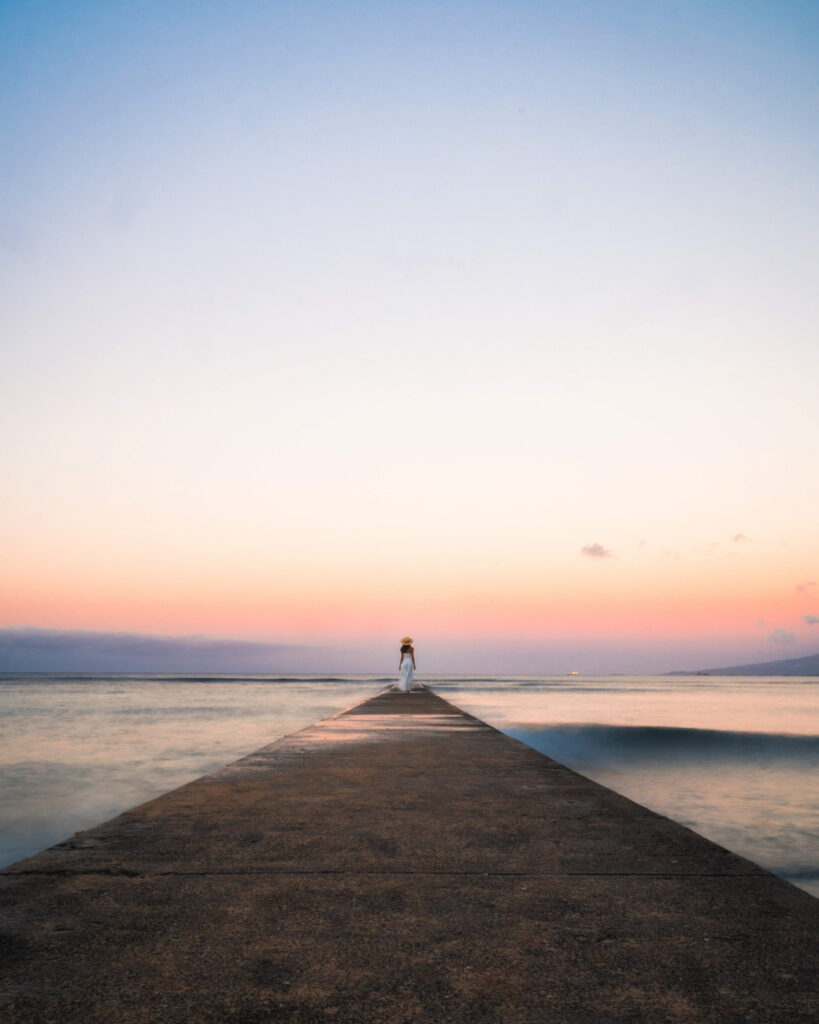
[[807, 666]]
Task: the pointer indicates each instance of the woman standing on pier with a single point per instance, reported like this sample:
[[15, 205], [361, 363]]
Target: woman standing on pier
[[406, 666]]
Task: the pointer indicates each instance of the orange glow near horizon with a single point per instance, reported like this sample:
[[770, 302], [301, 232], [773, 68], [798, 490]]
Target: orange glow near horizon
[[605, 601]]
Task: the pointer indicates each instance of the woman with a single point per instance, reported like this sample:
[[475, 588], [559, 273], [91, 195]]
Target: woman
[[406, 666]]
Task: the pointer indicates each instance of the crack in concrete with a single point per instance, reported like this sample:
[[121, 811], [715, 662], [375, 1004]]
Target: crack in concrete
[[228, 872]]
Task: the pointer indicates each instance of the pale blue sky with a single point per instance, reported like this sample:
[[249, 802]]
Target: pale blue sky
[[259, 261]]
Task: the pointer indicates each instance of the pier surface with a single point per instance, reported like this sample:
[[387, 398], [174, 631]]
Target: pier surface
[[400, 862]]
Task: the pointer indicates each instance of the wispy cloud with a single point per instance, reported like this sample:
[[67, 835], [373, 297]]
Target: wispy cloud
[[782, 636], [802, 587], [812, 620], [596, 551], [738, 538]]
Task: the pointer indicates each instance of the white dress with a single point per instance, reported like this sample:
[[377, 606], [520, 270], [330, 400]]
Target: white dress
[[407, 672]]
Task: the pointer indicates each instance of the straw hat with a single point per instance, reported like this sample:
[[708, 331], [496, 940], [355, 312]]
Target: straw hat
[[406, 639]]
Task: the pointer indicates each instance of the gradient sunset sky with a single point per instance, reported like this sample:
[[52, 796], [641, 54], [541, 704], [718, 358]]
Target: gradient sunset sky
[[494, 323]]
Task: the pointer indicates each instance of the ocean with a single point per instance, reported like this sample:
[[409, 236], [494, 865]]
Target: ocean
[[736, 759]]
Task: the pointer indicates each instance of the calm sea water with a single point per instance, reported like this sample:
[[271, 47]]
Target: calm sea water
[[736, 759]]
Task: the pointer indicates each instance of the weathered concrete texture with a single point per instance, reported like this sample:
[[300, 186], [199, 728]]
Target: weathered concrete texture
[[400, 862]]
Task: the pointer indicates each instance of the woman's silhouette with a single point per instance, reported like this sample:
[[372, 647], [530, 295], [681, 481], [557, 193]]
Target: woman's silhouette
[[406, 666]]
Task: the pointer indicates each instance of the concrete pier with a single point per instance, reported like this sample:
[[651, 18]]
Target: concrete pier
[[400, 862]]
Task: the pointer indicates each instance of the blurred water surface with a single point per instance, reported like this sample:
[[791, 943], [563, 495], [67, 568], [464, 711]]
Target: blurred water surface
[[736, 759]]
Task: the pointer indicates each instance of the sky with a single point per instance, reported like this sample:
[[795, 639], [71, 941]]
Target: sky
[[490, 323]]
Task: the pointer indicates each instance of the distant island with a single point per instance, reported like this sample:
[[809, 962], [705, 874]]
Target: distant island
[[808, 666]]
